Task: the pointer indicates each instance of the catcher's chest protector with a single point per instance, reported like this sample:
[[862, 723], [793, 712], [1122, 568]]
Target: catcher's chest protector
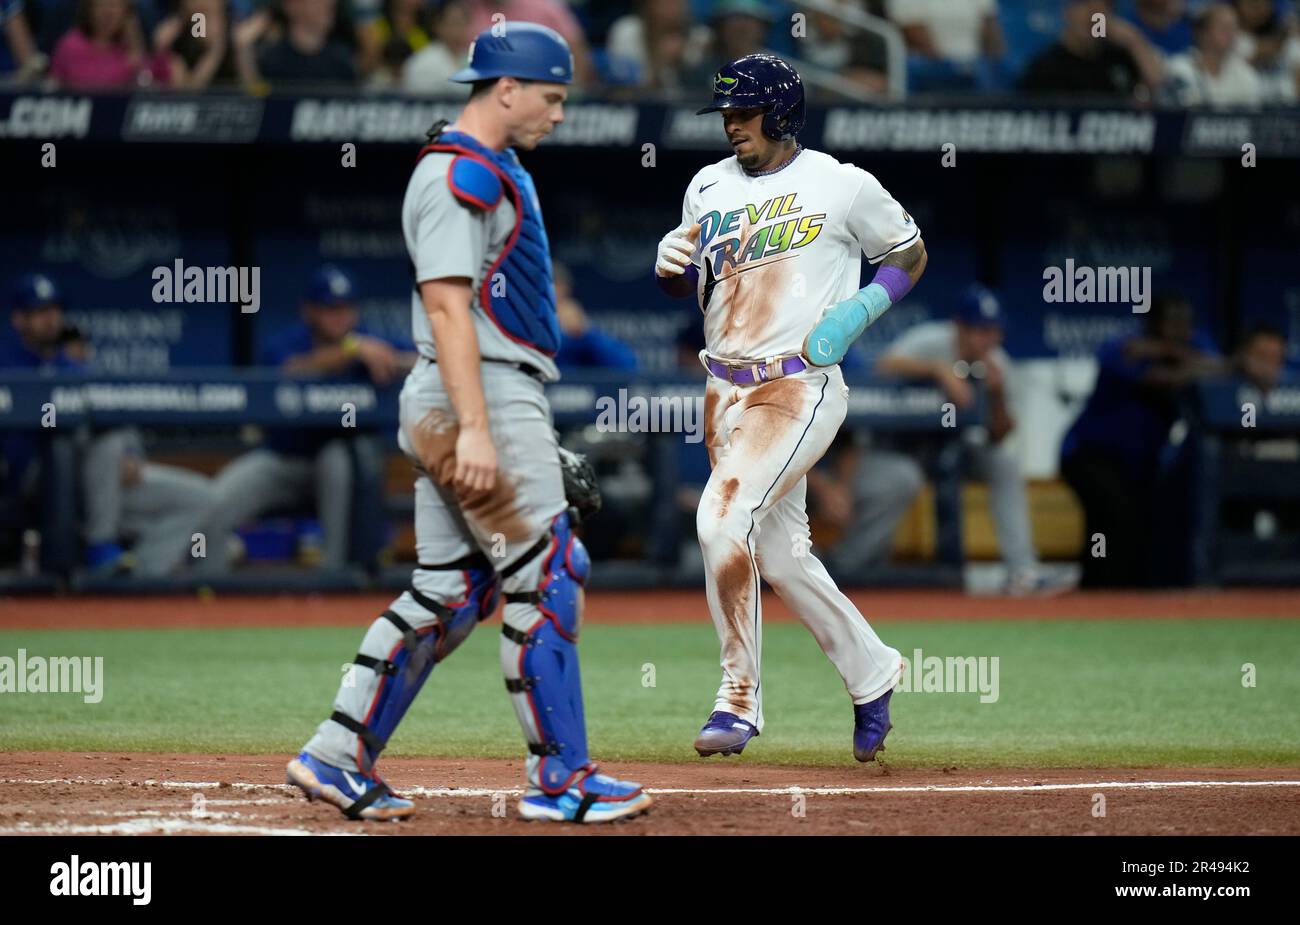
[[517, 293]]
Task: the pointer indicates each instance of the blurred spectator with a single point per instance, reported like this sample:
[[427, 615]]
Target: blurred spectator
[[552, 13], [1114, 453], [1121, 64], [429, 70], [584, 345], [946, 40], [298, 43], [297, 466], [45, 341], [1268, 41], [1164, 23], [862, 491], [739, 28], [656, 43], [1213, 73], [857, 56], [128, 500], [38, 343], [50, 19], [954, 355], [406, 27], [20, 59], [1260, 359], [140, 516], [105, 49], [1268, 516], [197, 60]]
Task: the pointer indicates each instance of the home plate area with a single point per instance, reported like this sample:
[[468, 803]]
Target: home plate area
[[59, 793]]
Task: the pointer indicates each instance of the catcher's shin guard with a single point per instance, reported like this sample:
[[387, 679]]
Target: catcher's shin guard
[[404, 644], [539, 654]]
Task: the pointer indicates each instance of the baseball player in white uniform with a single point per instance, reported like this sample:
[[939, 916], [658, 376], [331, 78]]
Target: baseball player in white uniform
[[771, 242]]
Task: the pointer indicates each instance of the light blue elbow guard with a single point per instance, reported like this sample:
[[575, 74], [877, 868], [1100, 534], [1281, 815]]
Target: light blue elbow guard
[[844, 323]]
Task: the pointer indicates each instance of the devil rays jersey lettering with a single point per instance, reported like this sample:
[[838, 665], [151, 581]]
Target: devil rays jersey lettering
[[776, 250]]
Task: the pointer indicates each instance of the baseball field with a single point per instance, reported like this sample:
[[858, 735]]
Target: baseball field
[[1105, 714]]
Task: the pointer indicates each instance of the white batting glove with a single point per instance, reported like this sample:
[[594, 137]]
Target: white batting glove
[[676, 251]]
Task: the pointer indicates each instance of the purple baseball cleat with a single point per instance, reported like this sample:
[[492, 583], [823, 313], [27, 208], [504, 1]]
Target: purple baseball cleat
[[724, 734], [870, 726]]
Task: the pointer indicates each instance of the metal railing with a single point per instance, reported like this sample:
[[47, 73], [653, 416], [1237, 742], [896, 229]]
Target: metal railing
[[890, 34]]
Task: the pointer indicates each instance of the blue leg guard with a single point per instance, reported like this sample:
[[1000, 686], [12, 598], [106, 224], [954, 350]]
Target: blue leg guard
[[539, 655], [397, 655]]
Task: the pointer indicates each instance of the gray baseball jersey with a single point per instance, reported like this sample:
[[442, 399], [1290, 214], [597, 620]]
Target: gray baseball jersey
[[447, 240], [937, 341]]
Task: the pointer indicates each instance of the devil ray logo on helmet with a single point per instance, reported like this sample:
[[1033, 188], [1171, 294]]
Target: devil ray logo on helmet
[[762, 82]]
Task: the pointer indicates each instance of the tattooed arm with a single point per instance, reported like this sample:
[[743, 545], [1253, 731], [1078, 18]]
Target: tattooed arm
[[911, 261]]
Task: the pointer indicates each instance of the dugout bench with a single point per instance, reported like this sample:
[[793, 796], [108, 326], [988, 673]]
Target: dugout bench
[[196, 398]]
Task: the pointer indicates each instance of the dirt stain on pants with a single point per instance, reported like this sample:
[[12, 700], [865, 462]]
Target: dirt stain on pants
[[494, 511]]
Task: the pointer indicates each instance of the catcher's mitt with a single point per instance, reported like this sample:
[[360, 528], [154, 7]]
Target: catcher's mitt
[[580, 487]]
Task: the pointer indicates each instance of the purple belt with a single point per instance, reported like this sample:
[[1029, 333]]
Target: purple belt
[[751, 373]]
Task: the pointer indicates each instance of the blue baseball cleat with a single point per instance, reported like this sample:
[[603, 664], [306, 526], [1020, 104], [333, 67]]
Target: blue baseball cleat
[[357, 795], [594, 798], [724, 734], [870, 726]]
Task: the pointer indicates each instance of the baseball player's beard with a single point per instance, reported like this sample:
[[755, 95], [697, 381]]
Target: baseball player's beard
[[764, 158]]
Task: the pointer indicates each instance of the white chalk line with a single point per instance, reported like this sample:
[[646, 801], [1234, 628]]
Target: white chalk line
[[179, 821], [702, 791], [152, 826]]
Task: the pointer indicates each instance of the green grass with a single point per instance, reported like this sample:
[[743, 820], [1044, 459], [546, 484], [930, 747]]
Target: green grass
[[1127, 693]]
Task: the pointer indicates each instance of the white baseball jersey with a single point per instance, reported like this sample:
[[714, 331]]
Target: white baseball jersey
[[777, 249]]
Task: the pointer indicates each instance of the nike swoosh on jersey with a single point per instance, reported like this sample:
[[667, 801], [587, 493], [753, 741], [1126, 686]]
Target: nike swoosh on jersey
[[707, 185]]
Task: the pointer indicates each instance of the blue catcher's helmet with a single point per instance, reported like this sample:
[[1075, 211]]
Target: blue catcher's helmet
[[762, 82], [523, 50]]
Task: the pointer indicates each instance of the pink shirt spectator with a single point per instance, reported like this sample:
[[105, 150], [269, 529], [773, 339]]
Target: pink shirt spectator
[[79, 62], [544, 12]]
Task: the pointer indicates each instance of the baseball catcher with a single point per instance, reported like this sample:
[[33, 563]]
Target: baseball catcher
[[491, 511]]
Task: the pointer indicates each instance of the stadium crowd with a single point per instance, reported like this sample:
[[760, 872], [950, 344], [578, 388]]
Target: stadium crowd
[[1167, 52]]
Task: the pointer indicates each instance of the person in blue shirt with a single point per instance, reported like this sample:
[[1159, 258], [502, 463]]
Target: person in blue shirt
[[1164, 23], [139, 515], [304, 465], [1260, 360], [1115, 453], [40, 341], [583, 345]]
